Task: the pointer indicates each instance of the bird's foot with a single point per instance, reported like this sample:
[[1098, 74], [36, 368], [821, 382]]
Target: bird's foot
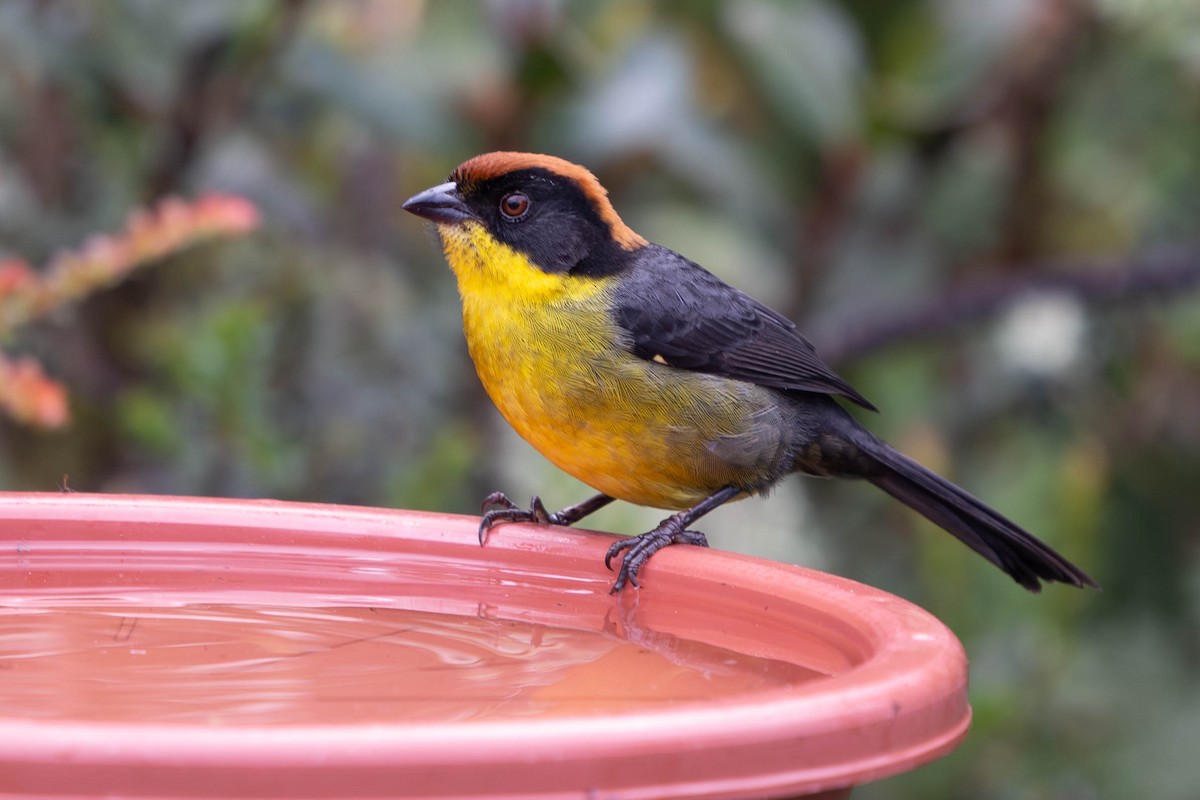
[[638, 549], [509, 511]]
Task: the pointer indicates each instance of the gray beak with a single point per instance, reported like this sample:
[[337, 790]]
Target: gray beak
[[440, 204]]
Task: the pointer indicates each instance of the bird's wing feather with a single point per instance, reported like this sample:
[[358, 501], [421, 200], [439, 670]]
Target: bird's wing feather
[[676, 312]]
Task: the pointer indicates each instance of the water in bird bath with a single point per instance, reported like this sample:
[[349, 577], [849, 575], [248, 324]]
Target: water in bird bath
[[234, 664]]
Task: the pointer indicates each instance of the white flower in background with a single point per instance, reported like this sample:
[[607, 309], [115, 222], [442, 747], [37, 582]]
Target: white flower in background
[[1042, 333]]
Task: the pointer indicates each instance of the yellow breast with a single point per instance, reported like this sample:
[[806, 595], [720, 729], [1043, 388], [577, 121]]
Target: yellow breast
[[549, 356]]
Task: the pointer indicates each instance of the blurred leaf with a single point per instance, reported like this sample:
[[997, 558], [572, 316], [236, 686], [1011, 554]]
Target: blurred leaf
[[150, 420], [809, 60]]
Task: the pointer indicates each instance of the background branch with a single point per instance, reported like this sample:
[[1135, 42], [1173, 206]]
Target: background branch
[[1158, 274]]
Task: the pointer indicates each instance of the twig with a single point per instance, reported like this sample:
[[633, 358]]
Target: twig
[[1161, 273]]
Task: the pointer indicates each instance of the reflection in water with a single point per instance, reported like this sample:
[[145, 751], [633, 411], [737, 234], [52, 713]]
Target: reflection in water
[[264, 664]]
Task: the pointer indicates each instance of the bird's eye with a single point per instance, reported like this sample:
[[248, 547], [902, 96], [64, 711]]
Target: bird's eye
[[514, 206]]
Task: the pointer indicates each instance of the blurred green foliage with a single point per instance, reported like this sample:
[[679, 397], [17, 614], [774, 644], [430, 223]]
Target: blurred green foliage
[[903, 178]]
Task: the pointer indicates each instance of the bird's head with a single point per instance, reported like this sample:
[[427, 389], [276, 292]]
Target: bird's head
[[552, 211]]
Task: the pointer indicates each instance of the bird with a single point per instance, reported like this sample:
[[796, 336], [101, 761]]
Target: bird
[[645, 376]]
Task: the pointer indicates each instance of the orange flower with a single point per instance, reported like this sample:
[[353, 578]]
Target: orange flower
[[149, 234], [15, 276], [31, 397]]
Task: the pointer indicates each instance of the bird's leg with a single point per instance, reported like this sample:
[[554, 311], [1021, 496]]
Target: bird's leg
[[511, 512], [672, 530]]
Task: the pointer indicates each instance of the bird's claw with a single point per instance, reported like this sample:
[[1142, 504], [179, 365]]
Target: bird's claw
[[638, 550], [511, 512]]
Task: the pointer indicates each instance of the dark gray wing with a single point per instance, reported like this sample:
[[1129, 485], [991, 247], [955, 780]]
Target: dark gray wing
[[677, 312]]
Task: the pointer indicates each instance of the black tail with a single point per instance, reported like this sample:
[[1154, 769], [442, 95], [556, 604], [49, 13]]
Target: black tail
[[998, 539]]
